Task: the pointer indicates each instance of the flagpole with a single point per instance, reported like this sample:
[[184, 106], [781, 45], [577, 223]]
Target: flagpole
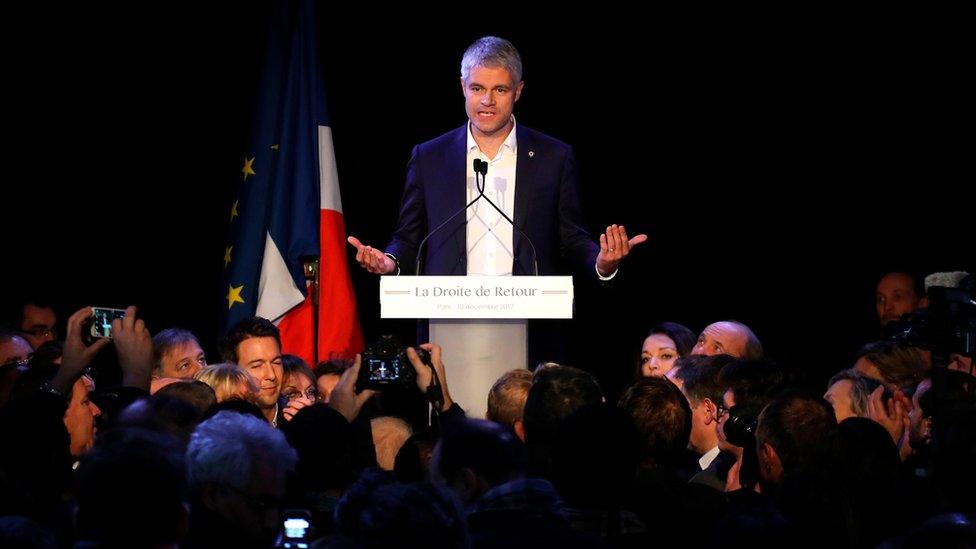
[[310, 267]]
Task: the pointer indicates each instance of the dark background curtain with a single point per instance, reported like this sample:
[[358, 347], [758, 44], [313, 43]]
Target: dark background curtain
[[778, 167]]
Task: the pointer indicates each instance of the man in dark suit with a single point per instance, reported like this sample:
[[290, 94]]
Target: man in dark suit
[[546, 205], [531, 179]]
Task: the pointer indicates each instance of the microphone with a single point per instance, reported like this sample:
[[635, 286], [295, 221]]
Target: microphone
[[480, 167], [477, 165]]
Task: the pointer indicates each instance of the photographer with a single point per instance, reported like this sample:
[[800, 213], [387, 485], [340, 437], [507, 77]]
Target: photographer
[[748, 386], [435, 388], [64, 389], [945, 332], [52, 418], [384, 367]]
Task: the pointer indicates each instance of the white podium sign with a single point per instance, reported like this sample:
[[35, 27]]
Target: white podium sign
[[452, 297]]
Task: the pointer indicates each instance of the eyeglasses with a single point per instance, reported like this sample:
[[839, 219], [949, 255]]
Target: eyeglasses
[[312, 393], [720, 411]]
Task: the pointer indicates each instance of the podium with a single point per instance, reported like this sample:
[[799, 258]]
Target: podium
[[479, 321]]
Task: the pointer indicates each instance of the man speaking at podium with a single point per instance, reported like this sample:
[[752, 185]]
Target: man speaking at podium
[[531, 179]]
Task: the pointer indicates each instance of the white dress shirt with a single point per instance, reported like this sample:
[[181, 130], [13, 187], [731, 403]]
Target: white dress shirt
[[490, 237], [490, 240], [708, 457]]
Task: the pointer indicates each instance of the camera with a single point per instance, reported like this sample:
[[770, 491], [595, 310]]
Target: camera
[[948, 325], [740, 427], [385, 364], [296, 526], [99, 324]]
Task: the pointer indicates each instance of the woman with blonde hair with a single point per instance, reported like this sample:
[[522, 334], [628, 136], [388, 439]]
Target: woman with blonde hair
[[229, 381]]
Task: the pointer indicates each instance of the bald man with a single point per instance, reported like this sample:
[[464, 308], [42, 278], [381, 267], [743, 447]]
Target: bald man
[[728, 337]]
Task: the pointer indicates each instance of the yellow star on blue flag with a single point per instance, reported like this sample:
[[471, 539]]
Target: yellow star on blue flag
[[248, 168], [234, 295]]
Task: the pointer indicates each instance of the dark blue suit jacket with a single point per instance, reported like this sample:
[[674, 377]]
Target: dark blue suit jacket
[[547, 207]]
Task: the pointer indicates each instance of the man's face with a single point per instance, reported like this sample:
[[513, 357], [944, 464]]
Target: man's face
[[79, 418], [721, 338], [490, 94], [15, 349], [918, 431], [895, 296], [721, 416], [183, 360], [38, 325], [261, 359], [839, 396], [657, 355]]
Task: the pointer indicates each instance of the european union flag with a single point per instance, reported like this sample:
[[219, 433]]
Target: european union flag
[[288, 188]]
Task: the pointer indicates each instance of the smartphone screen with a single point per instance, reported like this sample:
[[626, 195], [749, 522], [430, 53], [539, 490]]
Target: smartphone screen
[[102, 318], [296, 533]]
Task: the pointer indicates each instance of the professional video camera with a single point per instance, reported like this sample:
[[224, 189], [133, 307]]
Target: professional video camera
[[947, 326]]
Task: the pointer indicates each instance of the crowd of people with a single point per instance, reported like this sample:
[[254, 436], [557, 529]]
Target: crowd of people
[[140, 440], [713, 442]]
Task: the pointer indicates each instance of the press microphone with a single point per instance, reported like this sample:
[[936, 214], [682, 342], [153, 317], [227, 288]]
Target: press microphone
[[481, 167], [477, 166]]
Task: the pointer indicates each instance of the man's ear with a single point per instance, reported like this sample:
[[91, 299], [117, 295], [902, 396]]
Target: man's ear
[[767, 455], [770, 466], [710, 410], [519, 429], [924, 302], [518, 90]]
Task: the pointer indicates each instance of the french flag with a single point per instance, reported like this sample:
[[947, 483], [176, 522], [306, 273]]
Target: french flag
[[288, 211]]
